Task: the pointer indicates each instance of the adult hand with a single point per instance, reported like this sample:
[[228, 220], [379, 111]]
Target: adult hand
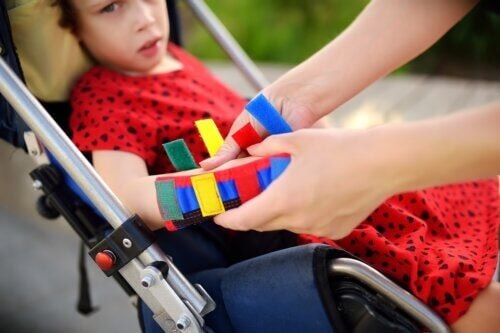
[[297, 114], [334, 181]]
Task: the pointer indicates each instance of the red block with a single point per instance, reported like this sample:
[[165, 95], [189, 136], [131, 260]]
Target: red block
[[247, 183], [170, 226], [182, 181], [246, 136]]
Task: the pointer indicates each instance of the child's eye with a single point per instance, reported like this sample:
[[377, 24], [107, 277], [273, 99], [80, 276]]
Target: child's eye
[[110, 8]]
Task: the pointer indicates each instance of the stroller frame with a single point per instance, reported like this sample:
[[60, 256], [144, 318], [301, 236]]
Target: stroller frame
[[177, 304]]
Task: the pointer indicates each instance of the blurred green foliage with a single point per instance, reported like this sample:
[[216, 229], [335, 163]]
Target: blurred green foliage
[[288, 31], [276, 30], [472, 44]]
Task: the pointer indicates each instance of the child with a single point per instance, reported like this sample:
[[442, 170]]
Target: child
[[144, 93]]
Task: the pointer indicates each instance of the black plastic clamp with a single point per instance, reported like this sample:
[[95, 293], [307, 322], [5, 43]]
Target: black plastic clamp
[[124, 244]]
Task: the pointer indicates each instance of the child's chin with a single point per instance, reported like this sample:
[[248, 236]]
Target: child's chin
[[138, 70]]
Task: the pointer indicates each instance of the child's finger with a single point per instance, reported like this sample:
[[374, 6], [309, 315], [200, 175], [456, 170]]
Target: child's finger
[[227, 152]]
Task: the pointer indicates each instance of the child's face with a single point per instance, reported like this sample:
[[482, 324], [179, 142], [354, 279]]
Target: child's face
[[129, 36]]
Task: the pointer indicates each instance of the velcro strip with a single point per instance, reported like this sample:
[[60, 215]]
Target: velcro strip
[[246, 181], [167, 201], [246, 136], [264, 177], [187, 199], [207, 193], [191, 218], [262, 110], [227, 190], [278, 165], [179, 155], [232, 204], [210, 135]]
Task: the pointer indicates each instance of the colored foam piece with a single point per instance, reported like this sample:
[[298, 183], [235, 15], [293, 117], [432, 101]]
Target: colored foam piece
[[170, 226], [167, 201], [262, 110], [179, 155], [245, 178], [207, 193], [191, 218], [224, 175], [187, 199], [181, 181], [246, 136], [278, 165], [195, 217], [227, 190], [199, 197], [264, 177], [210, 135]]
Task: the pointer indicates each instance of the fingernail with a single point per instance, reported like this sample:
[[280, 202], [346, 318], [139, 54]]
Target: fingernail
[[251, 148]]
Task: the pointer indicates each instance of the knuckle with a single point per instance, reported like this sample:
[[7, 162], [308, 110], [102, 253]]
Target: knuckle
[[228, 147], [242, 226]]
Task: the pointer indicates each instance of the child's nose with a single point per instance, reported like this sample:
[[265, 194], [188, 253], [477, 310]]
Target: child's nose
[[145, 15]]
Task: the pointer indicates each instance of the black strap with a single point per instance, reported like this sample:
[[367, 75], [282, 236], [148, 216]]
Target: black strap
[[84, 305]]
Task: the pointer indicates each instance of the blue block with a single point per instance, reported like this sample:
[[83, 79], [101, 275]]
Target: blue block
[[227, 190], [278, 165], [264, 177], [260, 108], [187, 199]]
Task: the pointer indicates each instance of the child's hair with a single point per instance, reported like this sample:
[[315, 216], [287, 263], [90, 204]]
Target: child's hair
[[68, 15]]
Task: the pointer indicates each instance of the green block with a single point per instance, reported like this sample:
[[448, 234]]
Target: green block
[[179, 155], [167, 200]]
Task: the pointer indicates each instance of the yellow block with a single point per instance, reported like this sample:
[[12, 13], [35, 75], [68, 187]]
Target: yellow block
[[210, 135], [207, 194]]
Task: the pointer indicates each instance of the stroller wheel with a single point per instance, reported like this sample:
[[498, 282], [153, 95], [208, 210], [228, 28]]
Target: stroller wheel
[[45, 208]]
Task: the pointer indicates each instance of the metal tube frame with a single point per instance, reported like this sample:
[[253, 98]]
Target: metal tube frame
[[378, 282], [171, 299]]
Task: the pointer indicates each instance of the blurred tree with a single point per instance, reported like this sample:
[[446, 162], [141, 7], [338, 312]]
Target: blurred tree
[[280, 30], [288, 31], [471, 48]]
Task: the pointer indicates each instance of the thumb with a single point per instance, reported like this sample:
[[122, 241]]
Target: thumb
[[275, 144], [227, 152]]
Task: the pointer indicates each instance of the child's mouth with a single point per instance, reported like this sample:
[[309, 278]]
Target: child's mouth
[[150, 48]]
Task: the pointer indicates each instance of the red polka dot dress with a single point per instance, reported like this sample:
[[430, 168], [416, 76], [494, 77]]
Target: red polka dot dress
[[113, 111], [441, 244]]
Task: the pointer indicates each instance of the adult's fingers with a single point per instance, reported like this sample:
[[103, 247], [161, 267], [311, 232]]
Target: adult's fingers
[[275, 144], [251, 215]]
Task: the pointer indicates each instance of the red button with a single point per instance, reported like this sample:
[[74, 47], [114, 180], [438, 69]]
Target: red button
[[105, 260]]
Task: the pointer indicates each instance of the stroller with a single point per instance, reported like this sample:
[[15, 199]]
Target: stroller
[[303, 288]]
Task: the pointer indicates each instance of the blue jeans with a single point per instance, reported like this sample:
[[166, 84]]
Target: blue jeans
[[271, 292]]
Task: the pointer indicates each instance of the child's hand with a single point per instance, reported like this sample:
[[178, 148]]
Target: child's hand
[[333, 182], [230, 149], [297, 115]]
